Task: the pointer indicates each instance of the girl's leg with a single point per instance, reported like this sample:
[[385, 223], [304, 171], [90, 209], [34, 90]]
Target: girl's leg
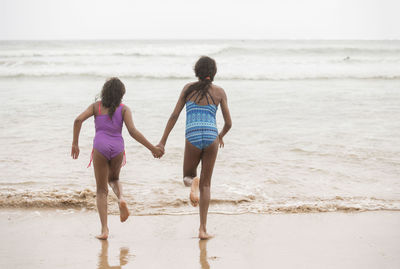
[[207, 166], [100, 164], [191, 160], [113, 181]]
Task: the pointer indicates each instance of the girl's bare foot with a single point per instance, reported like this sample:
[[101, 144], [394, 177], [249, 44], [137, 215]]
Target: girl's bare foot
[[194, 192], [203, 235], [103, 235], [123, 211]]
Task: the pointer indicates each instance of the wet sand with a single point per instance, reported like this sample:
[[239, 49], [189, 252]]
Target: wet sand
[[65, 239]]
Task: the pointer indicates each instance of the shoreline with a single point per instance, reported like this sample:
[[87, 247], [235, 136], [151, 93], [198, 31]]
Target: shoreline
[[85, 200], [77, 209], [65, 239], [146, 78]]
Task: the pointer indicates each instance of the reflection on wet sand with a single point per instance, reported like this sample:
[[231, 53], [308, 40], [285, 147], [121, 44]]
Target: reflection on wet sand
[[203, 254], [103, 257]]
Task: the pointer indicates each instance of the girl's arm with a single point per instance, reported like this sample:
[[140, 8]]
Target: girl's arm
[[127, 115], [174, 117], [227, 118], [77, 129]]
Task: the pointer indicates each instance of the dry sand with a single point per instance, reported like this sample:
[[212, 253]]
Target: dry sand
[[65, 239]]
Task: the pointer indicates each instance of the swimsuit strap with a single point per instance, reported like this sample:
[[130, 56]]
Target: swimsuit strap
[[212, 98], [99, 108], [208, 103], [197, 96], [191, 95]]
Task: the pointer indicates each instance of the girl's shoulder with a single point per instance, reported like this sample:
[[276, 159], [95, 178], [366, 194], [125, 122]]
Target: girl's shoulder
[[217, 88], [187, 85], [218, 91], [124, 108], [96, 107]]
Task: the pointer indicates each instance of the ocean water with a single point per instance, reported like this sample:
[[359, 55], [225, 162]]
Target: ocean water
[[316, 124]]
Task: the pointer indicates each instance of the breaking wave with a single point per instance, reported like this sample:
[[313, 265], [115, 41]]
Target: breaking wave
[[282, 77], [197, 50], [86, 199]]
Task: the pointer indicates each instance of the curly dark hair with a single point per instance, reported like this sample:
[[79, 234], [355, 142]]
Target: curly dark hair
[[111, 94], [205, 69]]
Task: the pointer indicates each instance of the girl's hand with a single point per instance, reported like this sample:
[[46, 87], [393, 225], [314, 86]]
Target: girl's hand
[[75, 151], [162, 146], [220, 141], [158, 152]]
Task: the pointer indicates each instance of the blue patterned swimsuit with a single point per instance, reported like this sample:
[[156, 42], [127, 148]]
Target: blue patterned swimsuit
[[201, 124]]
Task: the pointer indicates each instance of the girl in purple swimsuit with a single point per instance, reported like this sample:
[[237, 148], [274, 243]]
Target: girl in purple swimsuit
[[108, 146]]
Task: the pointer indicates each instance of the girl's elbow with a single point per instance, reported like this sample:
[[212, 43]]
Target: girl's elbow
[[174, 117], [77, 121], [132, 133], [228, 125]]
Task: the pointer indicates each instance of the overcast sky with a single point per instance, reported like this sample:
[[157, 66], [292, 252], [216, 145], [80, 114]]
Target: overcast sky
[[205, 19]]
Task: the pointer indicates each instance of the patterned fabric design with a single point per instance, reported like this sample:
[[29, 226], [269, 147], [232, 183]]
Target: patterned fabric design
[[201, 124]]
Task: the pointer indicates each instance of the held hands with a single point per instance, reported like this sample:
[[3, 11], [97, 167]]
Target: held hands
[[158, 151], [75, 151]]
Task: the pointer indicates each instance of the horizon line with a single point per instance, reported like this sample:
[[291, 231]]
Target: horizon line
[[205, 39]]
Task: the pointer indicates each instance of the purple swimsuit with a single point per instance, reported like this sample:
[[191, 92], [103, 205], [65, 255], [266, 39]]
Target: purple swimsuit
[[108, 139]]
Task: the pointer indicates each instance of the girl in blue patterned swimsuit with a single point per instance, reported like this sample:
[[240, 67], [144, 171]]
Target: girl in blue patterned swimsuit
[[202, 99]]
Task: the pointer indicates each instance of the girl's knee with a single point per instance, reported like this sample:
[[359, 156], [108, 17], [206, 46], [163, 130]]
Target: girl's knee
[[113, 178], [102, 190], [189, 173]]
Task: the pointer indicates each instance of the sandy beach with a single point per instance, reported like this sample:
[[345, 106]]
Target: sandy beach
[[312, 133], [308, 176], [65, 239]]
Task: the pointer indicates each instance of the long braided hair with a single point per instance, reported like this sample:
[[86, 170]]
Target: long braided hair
[[205, 69], [111, 94]]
